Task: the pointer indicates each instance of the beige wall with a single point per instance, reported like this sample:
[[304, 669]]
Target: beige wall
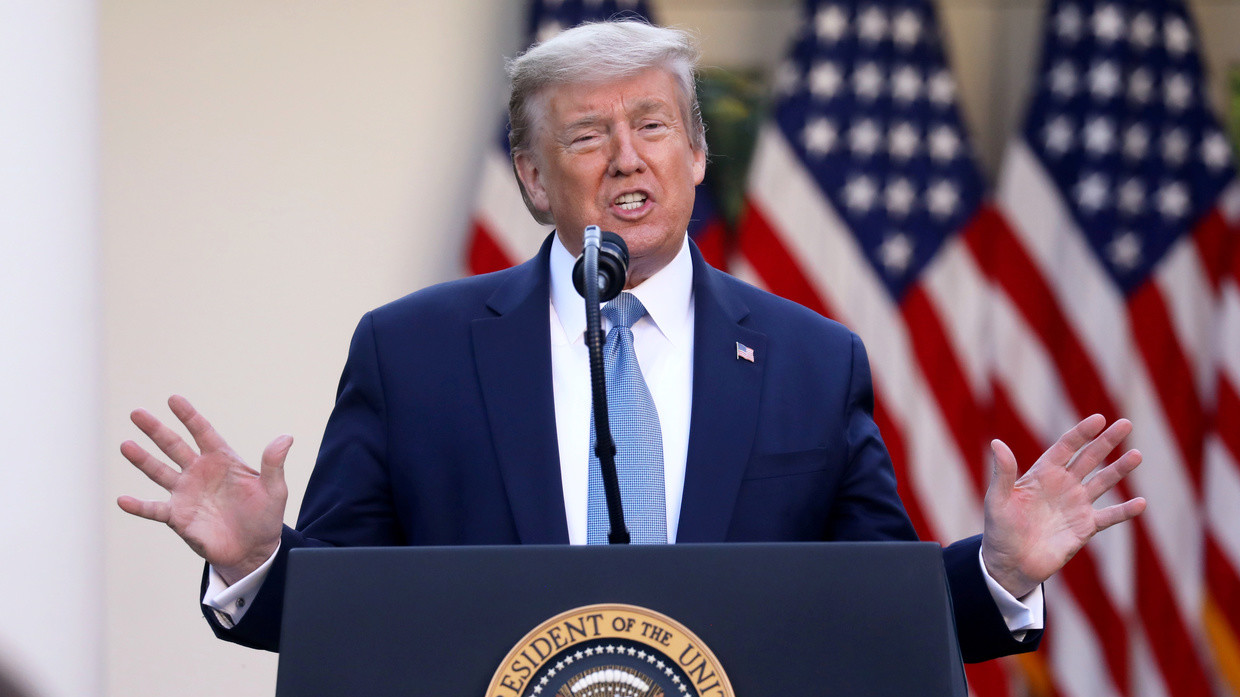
[[271, 169]]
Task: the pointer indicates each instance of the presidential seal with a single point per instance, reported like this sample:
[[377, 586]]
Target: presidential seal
[[610, 651]]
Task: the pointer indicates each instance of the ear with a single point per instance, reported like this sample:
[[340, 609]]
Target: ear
[[699, 166], [530, 174]]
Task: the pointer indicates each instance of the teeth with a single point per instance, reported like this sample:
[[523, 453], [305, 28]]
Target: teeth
[[630, 202]]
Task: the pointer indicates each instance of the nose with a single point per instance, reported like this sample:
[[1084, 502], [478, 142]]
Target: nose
[[625, 158]]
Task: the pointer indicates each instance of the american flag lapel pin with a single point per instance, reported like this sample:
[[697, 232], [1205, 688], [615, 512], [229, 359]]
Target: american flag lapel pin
[[743, 351]]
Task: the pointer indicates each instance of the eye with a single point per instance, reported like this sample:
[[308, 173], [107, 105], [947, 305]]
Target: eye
[[652, 128], [586, 139]]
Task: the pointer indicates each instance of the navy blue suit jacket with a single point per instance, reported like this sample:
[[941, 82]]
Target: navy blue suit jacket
[[444, 433]]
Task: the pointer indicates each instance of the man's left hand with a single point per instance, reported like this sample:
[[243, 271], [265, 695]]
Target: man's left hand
[[1036, 523]]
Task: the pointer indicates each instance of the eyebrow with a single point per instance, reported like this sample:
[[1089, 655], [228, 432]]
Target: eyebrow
[[641, 108], [649, 104], [583, 122]]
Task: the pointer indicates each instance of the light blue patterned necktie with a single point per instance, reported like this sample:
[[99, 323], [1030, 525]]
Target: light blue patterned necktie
[[635, 429]]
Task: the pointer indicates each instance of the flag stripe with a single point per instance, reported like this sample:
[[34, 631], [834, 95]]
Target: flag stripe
[[1173, 527], [1228, 416], [501, 212], [947, 381], [1213, 240], [1182, 281], [1172, 645], [1147, 679], [713, 242], [988, 678], [893, 437], [1072, 650], [1029, 374], [1173, 379], [484, 254], [959, 289], [779, 270]]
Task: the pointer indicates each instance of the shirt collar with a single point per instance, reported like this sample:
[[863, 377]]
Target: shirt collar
[[667, 295]]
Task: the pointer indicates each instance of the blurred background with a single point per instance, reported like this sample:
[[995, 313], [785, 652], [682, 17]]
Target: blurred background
[[203, 198]]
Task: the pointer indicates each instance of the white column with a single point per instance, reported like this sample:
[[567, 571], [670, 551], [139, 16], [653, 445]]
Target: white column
[[50, 474]]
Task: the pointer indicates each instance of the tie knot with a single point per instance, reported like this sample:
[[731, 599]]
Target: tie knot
[[624, 310]]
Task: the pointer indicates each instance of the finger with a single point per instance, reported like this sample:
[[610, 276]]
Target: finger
[[165, 438], [203, 433], [1119, 513], [1110, 475], [272, 465], [151, 510], [1005, 469], [1096, 452], [149, 465], [1075, 439]]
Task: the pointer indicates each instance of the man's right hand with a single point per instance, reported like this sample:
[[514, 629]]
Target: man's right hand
[[229, 514]]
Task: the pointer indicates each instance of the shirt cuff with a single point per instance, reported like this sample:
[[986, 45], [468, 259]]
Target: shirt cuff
[[231, 602], [1021, 615]]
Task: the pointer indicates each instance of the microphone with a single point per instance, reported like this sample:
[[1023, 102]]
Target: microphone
[[605, 262], [613, 264]]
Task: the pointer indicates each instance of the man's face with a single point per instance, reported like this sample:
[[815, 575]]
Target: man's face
[[616, 155]]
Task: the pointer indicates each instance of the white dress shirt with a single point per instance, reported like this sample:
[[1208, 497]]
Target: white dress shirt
[[663, 340]]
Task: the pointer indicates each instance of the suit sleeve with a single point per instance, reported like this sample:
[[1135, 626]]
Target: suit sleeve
[[347, 501], [980, 628], [869, 507]]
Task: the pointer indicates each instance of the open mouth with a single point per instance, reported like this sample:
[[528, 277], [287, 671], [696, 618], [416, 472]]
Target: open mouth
[[630, 202]]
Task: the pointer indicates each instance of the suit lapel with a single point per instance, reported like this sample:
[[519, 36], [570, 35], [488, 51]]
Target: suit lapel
[[726, 390], [512, 352]]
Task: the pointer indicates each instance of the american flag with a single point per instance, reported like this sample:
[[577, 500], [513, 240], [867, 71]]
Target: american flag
[[1099, 296], [502, 232], [1107, 279], [862, 193], [1221, 613]]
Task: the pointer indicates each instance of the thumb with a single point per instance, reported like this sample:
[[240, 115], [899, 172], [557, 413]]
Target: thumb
[[271, 470], [1004, 478]]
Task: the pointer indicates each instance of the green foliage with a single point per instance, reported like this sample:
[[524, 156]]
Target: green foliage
[[733, 106]]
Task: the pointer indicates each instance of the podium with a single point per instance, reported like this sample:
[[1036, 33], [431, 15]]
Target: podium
[[862, 619]]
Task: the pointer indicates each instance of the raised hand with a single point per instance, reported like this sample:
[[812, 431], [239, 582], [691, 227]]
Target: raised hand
[[225, 511], [1036, 523]]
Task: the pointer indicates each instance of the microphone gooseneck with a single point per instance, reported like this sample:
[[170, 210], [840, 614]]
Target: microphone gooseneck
[[592, 291]]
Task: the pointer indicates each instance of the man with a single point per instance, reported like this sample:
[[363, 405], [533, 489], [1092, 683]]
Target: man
[[463, 412]]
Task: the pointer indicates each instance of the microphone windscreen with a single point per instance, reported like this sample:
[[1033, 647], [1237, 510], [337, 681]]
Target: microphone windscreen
[[613, 267]]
